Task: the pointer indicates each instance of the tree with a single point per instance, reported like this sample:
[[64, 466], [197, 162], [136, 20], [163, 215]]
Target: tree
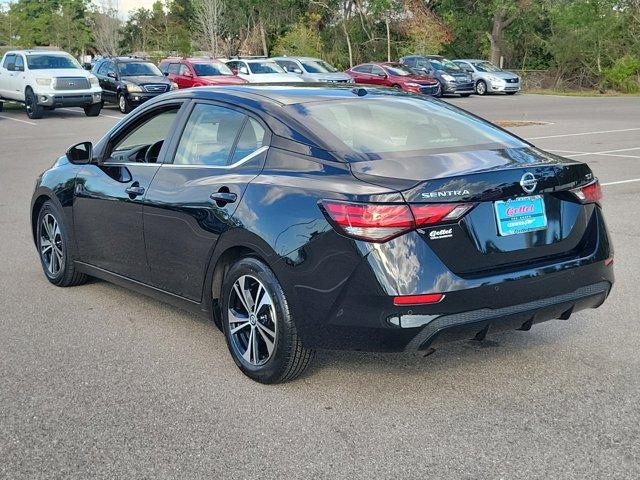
[[208, 14], [106, 28], [503, 14]]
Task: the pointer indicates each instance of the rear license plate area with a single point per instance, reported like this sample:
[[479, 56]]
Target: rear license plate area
[[520, 215]]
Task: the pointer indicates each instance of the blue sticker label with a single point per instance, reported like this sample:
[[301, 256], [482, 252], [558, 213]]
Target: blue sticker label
[[524, 214]]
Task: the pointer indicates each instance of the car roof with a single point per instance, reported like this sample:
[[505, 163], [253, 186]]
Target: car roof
[[296, 58], [281, 94], [39, 52], [470, 60]]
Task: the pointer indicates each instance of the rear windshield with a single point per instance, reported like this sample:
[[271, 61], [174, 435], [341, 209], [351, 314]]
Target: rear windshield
[[138, 69], [211, 69], [45, 62], [265, 67], [389, 127]]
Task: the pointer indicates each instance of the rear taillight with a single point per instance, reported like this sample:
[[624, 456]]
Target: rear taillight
[[379, 222], [591, 193], [424, 299]]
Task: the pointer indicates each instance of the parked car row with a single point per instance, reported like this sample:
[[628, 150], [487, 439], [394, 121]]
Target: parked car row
[[45, 80]]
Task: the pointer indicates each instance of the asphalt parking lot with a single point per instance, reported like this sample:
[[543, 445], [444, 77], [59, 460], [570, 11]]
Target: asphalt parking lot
[[100, 382]]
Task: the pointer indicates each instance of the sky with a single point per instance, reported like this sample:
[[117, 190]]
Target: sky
[[124, 6]]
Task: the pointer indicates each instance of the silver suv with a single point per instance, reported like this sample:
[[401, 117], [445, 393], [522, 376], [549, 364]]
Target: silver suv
[[312, 69]]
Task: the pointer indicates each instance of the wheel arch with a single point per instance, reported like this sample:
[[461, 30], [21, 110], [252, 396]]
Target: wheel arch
[[36, 205]]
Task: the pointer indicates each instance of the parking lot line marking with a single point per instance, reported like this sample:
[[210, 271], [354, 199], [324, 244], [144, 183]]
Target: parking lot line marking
[[78, 111], [621, 181], [18, 120], [604, 152], [591, 153], [584, 133]]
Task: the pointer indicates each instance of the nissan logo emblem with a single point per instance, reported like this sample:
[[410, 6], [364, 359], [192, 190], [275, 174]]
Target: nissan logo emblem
[[528, 182]]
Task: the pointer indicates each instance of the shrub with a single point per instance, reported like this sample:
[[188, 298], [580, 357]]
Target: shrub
[[624, 75]]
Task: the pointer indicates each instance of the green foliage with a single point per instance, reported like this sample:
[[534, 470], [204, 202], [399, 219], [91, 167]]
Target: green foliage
[[301, 40], [583, 43], [624, 75]]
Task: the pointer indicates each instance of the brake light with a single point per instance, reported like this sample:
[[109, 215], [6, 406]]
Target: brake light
[[591, 193], [418, 299], [379, 222]]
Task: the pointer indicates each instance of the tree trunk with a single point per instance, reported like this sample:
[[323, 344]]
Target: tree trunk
[[496, 37], [263, 38], [386, 21], [348, 38]]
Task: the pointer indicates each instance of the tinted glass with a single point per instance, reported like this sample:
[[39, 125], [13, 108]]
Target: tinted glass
[[174, 68], [153, 130], [318, 66], [399, 70], [251, 139], [363, 69], [486, 67], [265, 67], [287, 65], [211, 69], [386, 126], [44, 61], [184, 70], [103, 69], [9, 59], [209, 136], [136, 69], [375, 70], [445, 65]]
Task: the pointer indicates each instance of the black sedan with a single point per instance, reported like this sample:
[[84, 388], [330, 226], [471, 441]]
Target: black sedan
[[299, 218]]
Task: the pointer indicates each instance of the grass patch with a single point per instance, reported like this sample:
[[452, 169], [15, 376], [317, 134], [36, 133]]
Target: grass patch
[[12, 106], [579, 93]]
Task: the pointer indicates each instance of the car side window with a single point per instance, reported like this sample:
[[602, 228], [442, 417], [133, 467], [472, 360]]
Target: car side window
[[410, 62], [465, 66], [19, 65], [102, 70], [288, 65], [132, 145], [184, 70], [111, 68], [375, 70], [209, 136], [9, 60], [422, 63], [250, 140], [363, 69], [174, 68]]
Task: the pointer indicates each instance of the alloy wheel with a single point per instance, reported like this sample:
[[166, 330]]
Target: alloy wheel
[[122, 103], [252, 321], [481, 88], [51, 245]]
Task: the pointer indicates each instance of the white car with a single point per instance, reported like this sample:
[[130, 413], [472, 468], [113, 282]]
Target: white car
[[261, 70], [45, 80], [488, 78]]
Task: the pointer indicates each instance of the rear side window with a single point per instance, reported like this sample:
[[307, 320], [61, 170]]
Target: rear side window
[[9, 60], [380, 127], [251, 139], [209, 136], [363, 69]]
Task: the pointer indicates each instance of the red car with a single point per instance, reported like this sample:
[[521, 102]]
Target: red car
[[198, 72], [389, 74]]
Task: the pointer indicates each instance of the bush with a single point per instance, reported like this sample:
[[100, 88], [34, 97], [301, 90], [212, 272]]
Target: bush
[[624, 75], [301, 41]]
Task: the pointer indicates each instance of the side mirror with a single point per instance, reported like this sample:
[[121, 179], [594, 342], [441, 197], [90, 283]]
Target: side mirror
[[297, 71], [166, 74], [382, 75], [87, 66], [111, 75], [81, 153]]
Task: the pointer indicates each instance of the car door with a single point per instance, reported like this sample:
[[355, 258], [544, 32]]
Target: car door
[[362, 74], [6, 75], [193, 197], [18, 81], [378, 76], [108, 198], [106, 77], [185, 77]]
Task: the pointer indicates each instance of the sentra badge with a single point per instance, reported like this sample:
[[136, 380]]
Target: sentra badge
[[445, 193]]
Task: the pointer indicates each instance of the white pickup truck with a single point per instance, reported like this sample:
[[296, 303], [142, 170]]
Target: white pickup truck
[[45, 80]]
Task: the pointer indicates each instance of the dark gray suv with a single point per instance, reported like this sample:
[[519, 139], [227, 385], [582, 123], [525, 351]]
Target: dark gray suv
[[453, 80]]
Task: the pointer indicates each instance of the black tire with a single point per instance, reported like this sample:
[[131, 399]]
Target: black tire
[[481, 87], [66, 275], [510, 93], [1, 106], [123, 104], [34, 111], [288, 358], [93, 110], [440, 90]]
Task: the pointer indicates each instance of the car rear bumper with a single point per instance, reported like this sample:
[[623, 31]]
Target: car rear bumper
[[369, 322], [68, 99]]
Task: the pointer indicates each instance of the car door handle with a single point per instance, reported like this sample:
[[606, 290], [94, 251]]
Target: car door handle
[[135, 190], [222, 198]]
